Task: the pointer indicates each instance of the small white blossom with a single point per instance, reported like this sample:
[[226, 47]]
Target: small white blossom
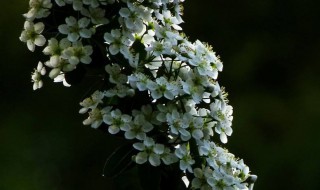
[[168, 20], [38, 9], [61, 78], [139, 80], [119, 90], [200, 180], [78, 53], [176, 125], [223, 114], [115, 75], [134, 16], [117, 41], [36, 76], [186, 160], [91, 102], [219, 181], [75, 28], [96, 115], [32, 35], [97, 15], [162, 87], [168, 157], [138, 128], [55, 50], [150, 151], [195, 125], [116, 121]]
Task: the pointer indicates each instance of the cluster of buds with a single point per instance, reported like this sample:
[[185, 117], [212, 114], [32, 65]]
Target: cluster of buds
[[160, 90]]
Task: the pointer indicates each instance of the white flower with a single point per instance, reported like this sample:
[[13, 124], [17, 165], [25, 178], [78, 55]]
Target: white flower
[[38, 9], [117, 41], [168, 157], [32, 35], [138, 128], [115, 75], [195, 125], [195, 91], [220, 181], [186, 160], [176, 125], [205, 60], [119, 90], [206, 148], [156, 48], [222, 112], [216, 90], [91, 102], [97, 15], [139, 80], [134, 16], [36, 76], [162, 87], [200, 180], [95, 118], [149, 114], [150, 151], [168, 20], [75, 28], [55, 49], [243, 172], [78, 53], [195, 85], [61, 78], [116, 121]]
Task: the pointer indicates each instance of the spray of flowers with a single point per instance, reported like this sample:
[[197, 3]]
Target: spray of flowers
[[160, 91]]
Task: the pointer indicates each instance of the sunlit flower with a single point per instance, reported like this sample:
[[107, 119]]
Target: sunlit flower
[[223, 114]]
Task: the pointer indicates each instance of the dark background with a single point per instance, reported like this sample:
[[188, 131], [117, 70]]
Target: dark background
[[271, 52]]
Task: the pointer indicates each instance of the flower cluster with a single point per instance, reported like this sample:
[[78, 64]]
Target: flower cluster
[[160, 90]]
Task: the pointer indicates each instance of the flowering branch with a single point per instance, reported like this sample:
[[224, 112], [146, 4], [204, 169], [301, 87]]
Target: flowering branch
[[160, 90]]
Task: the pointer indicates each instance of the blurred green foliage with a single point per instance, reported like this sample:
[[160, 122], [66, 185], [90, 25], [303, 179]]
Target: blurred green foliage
[[271, 64]]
